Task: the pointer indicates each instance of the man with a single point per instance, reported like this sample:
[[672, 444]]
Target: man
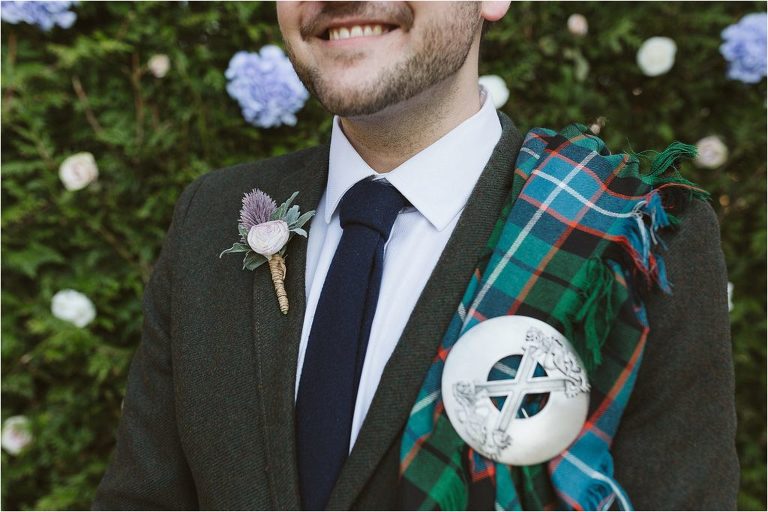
[[232, 405]]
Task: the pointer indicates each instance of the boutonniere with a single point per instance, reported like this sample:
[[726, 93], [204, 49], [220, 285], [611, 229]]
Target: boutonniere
[[265, 230]]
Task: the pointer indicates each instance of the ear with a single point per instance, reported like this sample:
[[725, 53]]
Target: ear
[[493, 11]]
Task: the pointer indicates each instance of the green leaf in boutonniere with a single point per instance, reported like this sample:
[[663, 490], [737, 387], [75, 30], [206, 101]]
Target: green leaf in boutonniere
[[265, 230]]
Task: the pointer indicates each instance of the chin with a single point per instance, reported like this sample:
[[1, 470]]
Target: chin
[[352, 99]]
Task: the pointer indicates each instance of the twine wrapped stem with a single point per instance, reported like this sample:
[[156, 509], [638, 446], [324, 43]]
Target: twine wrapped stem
[[277, 269]]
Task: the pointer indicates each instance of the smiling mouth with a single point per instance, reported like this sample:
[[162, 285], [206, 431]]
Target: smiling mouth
[[363, 30]]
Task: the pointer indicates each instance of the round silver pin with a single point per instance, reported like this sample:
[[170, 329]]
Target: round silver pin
[[515, 390]]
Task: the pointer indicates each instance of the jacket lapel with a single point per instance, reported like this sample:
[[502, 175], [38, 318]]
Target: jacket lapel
[[277, 337], [404, 373]]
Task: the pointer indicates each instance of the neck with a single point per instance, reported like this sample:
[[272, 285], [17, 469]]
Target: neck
[[388, 138]]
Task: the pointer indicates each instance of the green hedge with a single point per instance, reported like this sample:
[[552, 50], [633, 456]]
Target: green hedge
[[88, 88]]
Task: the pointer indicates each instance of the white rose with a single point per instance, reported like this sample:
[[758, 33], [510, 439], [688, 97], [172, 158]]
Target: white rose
[[78, 171], [656, 56], [730, 296], [72, 306], [711, 152], [577, 24], [159, 65], [268, 238], [15, 435], [496, 87]]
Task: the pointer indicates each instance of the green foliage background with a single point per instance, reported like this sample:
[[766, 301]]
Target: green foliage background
[[88, 89]]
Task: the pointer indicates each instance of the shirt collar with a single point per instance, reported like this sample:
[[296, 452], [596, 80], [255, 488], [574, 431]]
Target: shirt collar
[[437, 181]]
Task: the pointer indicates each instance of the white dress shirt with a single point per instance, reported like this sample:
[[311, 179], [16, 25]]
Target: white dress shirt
[[437, 181]]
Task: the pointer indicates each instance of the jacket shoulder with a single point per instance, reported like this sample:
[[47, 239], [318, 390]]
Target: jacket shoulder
[[217, 194], [266, 173]]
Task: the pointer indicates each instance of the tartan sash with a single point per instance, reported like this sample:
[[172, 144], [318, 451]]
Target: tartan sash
[[576, 246]]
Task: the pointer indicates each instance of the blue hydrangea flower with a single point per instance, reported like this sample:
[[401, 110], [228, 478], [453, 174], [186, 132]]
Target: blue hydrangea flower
[[266, 86], [744, 48], [43, 14]]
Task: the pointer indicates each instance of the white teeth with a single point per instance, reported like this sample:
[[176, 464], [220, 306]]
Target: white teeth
[[356, 31]]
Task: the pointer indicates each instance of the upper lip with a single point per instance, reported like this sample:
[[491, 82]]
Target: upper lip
[[324, 26]]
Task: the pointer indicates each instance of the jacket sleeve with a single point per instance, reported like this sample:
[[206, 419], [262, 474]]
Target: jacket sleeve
[[148, 470], [675, 448]]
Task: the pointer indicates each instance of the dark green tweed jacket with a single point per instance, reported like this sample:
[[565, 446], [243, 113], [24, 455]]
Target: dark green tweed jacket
[[208, 415]]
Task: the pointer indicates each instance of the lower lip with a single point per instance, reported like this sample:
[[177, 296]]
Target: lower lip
[[355, 41]]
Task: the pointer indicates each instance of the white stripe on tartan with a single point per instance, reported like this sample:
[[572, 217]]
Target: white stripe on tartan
[[425, 402], [609, 502], [462, 312], [524, 233], [581, 466], [587, 202], [530, 152]]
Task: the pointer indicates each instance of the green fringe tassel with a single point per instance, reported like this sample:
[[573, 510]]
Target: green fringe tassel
[[667, 158], [596, 314], [664, 170]]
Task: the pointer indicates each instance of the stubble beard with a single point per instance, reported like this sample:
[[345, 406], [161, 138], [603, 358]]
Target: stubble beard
[[442, 53]]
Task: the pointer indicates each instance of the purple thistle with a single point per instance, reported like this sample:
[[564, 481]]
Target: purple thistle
[[257, 208]]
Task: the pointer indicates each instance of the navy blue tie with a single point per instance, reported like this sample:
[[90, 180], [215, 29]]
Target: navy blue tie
[[338, 338]]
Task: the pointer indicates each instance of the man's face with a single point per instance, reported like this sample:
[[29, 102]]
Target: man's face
[[358, 58]]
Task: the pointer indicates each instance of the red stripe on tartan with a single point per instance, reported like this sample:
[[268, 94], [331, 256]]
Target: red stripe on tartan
[[415, 449], [597, 431], [623, 376], [479, 316], [488, 472], [573, 504], [534, 135], [619, 276], [681, 185]]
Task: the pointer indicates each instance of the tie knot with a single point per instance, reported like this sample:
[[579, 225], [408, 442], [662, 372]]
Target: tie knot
[[371, 203]]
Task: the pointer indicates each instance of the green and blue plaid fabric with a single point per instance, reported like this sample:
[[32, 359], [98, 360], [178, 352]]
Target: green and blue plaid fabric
[[576, 245]]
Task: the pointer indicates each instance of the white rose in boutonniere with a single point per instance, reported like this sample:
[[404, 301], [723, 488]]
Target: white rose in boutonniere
[[265, 230], [78, 171], [15, 435], [656, 56], [74, 307], [269, 237]]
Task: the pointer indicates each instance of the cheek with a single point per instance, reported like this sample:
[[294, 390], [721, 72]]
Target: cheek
[[288, 15]]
